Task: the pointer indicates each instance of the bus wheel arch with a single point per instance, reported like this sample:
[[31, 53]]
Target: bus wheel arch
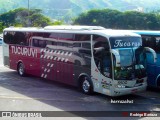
[[85, 84], [21, 69], [77, 62]]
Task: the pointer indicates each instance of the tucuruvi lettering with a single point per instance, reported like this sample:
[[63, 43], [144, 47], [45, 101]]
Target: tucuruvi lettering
[[24, 51], [120, 43]]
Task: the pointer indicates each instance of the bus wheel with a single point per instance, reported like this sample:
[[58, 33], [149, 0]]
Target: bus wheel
[[21, 69], [86, 86]]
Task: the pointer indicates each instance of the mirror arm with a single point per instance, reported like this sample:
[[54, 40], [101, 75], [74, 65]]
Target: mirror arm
[[117, 56], [152, 51]]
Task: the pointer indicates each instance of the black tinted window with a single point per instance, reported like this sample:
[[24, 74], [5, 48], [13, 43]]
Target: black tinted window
[[152, 42], [19, 38], [102, 55], [39, 43], [82, 37]]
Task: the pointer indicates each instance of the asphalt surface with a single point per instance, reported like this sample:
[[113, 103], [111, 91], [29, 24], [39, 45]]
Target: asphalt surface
[[35, 94]]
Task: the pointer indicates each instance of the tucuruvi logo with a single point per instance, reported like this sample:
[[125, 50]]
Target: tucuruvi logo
[[24, 51], [120, 43]]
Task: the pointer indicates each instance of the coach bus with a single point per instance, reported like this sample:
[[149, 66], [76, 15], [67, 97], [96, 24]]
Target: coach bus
[[92, 58], [151, 39]]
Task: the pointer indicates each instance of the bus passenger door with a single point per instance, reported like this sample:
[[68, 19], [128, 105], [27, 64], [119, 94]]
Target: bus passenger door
[[101, 64]]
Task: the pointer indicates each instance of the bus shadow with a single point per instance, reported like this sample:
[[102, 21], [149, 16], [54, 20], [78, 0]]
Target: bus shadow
[[153, 89], [68, 98]]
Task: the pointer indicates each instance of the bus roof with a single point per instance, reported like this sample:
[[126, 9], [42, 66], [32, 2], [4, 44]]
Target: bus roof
[[75, 29], [145, 32]]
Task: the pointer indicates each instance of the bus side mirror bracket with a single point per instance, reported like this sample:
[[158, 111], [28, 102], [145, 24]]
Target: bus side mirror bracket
[[152, 51], [117, 57]]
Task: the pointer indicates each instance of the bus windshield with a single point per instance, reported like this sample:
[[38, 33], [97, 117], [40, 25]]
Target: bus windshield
[[132, 58]]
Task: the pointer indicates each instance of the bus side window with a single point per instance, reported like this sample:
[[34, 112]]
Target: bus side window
[[42, 44], [76, 44], [153, 43], [158, 46], [48, 42], [144, 42], [35, 42], [82, 48], [149, 41]]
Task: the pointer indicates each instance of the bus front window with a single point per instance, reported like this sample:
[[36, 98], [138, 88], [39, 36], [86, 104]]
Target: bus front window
[[132, 64], [132, 58]]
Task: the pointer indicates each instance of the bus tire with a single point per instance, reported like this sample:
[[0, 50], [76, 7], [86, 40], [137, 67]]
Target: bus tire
[[86, 86], [21, 70]]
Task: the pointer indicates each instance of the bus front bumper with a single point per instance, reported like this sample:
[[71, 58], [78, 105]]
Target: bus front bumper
[[125, 91]]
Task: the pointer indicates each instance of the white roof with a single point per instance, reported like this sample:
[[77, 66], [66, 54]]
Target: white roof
[[73, 27], [76, 29]]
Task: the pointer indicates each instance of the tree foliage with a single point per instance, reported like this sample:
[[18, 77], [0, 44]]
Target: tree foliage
[[120, 20], [24, 17], [67, 9]]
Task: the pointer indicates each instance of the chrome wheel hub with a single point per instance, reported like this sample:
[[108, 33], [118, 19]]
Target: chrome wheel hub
[[86, 86]]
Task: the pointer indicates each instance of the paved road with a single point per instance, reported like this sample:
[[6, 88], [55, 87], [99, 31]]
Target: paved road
[[34, 94]]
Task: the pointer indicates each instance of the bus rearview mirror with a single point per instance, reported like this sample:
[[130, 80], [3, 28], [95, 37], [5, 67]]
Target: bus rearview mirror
[[117, 57], [152, 51]]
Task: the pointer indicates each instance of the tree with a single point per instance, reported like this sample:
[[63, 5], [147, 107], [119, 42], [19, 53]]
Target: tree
[[106, 18], [22, 17], [1, 27], [119, 20]]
